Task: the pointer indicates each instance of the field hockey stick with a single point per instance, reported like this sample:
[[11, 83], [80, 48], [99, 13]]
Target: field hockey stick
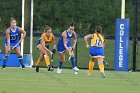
[[16, 45], [70, 55], [2, 58], [52, 56], [107, 64]]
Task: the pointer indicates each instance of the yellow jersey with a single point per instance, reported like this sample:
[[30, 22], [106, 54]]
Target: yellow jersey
[[96, 41], [47, 40]]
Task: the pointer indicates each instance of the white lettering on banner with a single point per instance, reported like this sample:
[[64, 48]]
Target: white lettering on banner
[[121, 39], [121, 45]]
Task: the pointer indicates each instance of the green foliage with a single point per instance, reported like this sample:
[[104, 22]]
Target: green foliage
[[8, 9], [85, 14]]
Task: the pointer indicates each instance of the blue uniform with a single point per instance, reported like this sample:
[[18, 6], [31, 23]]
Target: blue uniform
[[60, 46], [14, 37]]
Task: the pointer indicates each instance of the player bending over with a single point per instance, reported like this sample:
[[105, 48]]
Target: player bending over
[[43, 45], [64, 45], [12, 40], [96, 50]]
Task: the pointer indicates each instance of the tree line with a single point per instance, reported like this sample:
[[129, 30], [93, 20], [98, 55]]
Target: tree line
[[85, 14]]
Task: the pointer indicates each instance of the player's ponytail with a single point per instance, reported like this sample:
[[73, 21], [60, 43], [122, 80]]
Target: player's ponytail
[[98, 31]]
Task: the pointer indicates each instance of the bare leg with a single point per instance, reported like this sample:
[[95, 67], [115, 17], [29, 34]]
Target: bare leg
[[101, 67]]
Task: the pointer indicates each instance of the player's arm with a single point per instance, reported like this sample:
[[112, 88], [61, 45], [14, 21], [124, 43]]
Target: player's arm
[[23, 32], [86, 39], [8, 38], [65, 41], [75, 40]]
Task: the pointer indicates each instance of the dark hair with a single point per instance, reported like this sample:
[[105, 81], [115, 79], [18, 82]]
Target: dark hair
[[98, 29], [12, 18], [47, 28], [71, 24]]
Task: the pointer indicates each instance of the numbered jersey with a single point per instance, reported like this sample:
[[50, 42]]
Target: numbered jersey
[[14, 37], [97, 50], [96, 41]]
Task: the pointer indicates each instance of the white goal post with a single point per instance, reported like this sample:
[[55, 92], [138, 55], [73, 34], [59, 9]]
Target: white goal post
[[31, 32], [123, 10]]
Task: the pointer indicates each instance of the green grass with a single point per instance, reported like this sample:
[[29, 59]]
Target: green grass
[[16, 80]]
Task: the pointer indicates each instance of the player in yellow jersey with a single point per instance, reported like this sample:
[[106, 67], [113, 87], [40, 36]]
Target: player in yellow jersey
[[43, 45], [96, 50]]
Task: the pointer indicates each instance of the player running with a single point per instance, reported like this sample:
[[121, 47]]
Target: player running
[[12, 40], [64, 45], [43, 45], [96, 50]]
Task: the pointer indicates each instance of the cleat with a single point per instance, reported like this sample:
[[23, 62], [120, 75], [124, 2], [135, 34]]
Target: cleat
[[50, 68], [4, 67], [59, 70], [37, 68], [103, 74], [76, 69], [23, 67]]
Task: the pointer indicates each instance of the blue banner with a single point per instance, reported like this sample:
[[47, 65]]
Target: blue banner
[[121, 45], [14, 62]]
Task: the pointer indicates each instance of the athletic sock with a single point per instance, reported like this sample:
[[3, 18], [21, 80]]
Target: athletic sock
[[91, 66], [21, 61], [47, 60], [5, 58], [38, 62], [101, 67], [73, 62], [60, 65]]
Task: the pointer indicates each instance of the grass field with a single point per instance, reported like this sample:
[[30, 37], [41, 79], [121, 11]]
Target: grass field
[[16, 80]]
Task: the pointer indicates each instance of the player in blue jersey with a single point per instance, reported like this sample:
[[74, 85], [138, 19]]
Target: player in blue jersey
[[64, 45], [12, 39]]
